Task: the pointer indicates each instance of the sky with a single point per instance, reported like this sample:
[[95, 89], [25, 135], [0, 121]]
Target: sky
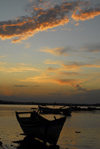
[[50, 50]]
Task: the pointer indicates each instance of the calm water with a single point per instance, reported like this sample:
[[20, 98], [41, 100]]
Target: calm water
[[86, 123]]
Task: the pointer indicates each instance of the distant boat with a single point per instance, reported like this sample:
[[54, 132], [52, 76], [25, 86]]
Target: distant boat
[[47, 110], [39, 127], [78, 108]]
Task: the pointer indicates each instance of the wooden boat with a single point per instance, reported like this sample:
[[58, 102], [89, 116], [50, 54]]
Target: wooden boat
[[47, 110], [39, 127]]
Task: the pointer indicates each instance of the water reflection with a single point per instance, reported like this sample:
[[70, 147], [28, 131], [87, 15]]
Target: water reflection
[[31, 143]]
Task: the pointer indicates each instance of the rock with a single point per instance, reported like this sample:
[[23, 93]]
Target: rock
[[77, 132]]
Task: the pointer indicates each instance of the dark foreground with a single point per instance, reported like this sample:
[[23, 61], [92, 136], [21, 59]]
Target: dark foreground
[[29, 143], [80, 131]]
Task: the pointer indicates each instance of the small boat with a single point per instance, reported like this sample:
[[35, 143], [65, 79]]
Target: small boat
[[39, 127], [47, 110]]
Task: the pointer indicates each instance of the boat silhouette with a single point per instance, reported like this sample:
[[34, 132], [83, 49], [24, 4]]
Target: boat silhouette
[[49, 110], [39, 127]]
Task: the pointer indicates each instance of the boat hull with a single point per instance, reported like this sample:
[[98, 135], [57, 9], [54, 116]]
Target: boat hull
[[41, 128]]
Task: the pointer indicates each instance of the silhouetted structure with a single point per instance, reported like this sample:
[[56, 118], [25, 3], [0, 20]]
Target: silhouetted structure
[[61, 110], [39, 127]]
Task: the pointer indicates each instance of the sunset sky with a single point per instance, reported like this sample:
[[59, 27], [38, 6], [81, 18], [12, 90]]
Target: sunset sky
[[50, 50]]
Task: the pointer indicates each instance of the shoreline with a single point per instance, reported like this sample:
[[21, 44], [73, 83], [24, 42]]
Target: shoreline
[[47, 103]]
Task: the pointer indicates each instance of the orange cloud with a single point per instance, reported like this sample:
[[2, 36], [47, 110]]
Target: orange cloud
[[51, 62], [71, 66], [45, 79], [92, 66], [6, 90], [46, 16], [55, 51], [76, 66], [17, 69], [25, 27], [85, 14], [69, 82]]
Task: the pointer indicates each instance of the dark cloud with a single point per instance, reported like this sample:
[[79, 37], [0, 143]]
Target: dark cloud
[[68, 73], [40, 20], [51, 69], [80, 88], [95, 48], [45, 16], [20, 85], [89, 96]]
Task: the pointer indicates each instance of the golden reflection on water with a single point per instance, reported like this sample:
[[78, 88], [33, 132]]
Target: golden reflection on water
[[80, 131]]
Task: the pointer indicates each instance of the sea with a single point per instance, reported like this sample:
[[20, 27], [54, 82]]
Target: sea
[[80, 131]]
